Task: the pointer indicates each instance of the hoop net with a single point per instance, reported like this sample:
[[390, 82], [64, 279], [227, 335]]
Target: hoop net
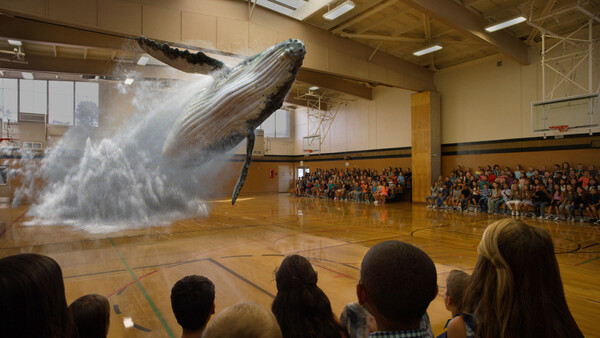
[[559, 131]]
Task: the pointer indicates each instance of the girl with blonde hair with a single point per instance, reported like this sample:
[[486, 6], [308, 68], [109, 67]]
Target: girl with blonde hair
[[515, 289]]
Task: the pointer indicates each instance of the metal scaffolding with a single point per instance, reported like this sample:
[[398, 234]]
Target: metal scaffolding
[[321, 111]]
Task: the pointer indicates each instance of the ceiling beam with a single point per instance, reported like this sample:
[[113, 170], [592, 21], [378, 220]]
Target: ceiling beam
[[427, 28], [460, 18], [363, 16], [383, 21], [39, 63], [534, 30], [381, 37], [334, 83]]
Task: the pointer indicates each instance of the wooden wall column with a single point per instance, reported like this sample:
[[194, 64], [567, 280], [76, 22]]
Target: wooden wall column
[[426, 143]]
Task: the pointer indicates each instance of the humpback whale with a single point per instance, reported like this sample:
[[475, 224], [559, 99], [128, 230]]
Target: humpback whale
[[219, 117]]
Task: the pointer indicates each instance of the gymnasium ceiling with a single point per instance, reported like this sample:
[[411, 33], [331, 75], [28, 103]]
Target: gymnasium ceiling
[[401, 27], [396, 27]]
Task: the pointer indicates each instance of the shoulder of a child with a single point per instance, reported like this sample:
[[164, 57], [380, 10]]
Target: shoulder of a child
[[456, 328]]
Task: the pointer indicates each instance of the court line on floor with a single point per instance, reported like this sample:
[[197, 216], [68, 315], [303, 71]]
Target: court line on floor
[[589, 260], [143, 290], [12, 223], [241, 278]]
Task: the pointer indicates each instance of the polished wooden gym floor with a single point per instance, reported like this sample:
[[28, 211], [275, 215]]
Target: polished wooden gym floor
[[239, 247]]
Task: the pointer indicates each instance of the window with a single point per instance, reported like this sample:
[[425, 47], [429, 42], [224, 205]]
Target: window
[[9, 95], [86, 104], [303, 171], [61, 100], [277, 125], [33, 96], [282, 123]]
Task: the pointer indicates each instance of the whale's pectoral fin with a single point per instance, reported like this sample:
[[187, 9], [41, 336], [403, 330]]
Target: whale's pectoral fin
[[180, 59], [242, 178]]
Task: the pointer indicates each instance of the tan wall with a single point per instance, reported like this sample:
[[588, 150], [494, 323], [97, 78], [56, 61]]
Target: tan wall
[[224, 25], [377, 163], [526, 159], [364, 125], [482, 101]]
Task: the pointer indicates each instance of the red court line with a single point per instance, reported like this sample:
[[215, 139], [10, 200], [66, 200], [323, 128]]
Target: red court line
[[130, 283]]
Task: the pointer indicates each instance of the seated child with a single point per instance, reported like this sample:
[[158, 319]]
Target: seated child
[[461, 323]]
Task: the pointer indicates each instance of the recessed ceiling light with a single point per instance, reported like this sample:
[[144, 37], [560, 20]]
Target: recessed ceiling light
[[128, 81], [143, 60], [314, 88], [427, 50], [15, 43], [505, 24], [339, 10], [27, 76]]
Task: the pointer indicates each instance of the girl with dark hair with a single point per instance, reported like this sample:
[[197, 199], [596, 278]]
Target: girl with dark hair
[[302, 309], [32, 298], [515, 289]]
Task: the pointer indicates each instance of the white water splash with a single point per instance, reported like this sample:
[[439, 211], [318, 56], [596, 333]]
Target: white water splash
[[121, 181]]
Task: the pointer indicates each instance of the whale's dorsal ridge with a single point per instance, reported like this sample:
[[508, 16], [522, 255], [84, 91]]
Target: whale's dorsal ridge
[[181, 59]]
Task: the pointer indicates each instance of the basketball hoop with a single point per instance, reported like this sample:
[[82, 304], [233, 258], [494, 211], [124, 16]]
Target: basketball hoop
[[307, 152], [559, 131]]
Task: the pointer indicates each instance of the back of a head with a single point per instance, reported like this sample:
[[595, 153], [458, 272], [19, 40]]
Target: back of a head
[[192, 299], [456, 287], [91, 314], [515, 288], [32, 297], [243, 320], [302, 309], [400, 280]]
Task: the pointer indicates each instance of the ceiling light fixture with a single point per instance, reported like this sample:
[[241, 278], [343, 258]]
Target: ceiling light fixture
[[28, 76], [15, 43], [505, 24], [128, 81], [143, 60], [339, 10], [427, 50], [313, 88], [308, 9]]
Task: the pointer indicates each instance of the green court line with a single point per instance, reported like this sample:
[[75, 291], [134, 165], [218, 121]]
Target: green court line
[[589, 260], [146, 295]]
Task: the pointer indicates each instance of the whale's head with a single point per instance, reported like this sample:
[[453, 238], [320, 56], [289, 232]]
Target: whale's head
[[268, 77]]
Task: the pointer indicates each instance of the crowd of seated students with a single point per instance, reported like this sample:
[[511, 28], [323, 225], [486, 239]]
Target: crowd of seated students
[[559, 193], [358, 185], [397, 283]]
